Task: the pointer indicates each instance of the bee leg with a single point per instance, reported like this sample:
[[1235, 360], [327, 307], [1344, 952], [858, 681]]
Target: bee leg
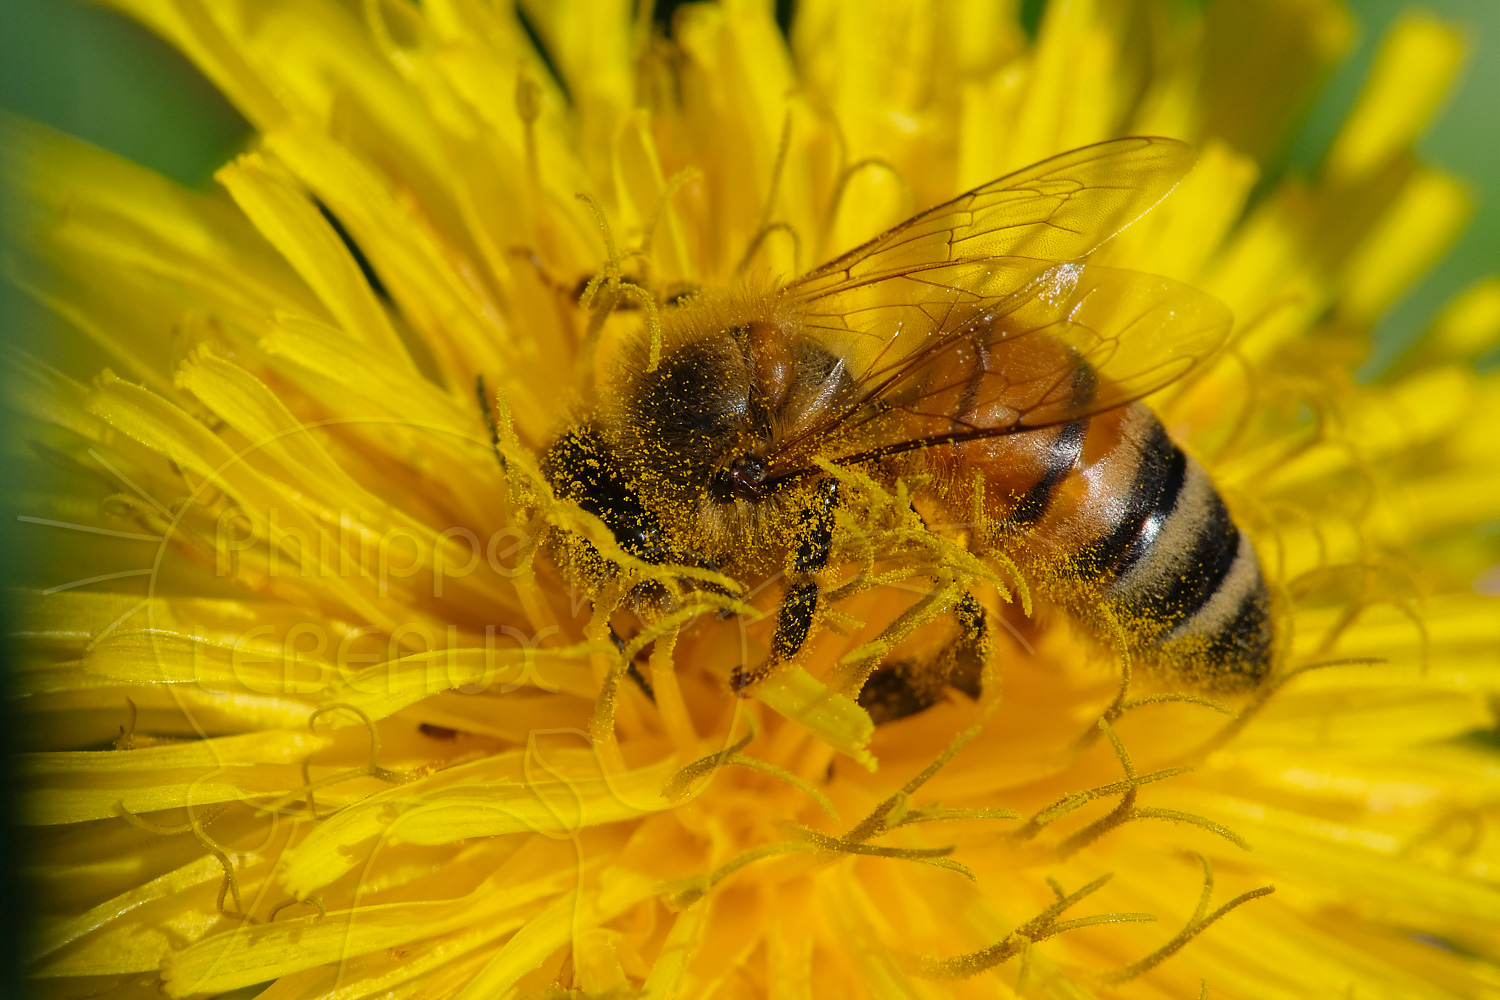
[[961, 664], [897, 690], [971, 650], [487, 411], [631, 670], [907, 687], [799, 605]]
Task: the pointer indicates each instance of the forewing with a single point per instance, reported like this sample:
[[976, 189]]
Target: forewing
[[1073, 340], [1059, 210]]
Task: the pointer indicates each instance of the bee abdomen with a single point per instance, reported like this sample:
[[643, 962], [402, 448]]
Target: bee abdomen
[[1157, 484], [1178, 569], [1062, 454], [1130, 515]]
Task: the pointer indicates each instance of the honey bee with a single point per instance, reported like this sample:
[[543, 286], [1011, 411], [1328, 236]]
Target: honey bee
[[971, 349]]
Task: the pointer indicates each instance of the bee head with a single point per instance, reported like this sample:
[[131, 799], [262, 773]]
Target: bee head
[[699, 437], [690, 417], [709, 418]]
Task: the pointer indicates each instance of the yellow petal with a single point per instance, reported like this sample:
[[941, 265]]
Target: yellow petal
[[1413, 71], [286, 217], [835, 718], [615, 892], [1424, 220], [269, 951], [482, 799]]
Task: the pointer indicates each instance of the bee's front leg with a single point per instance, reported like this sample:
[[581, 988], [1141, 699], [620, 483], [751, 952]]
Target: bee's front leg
[[799, 605]]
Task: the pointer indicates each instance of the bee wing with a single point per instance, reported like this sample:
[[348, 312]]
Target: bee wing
[[1070, 340], [1059, 209]]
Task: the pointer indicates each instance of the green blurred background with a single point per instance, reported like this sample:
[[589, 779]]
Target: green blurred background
[[92, 73]]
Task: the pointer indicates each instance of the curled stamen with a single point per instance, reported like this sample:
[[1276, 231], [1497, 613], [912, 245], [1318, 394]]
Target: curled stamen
[[677, 786], [491, 424], [194, 825], [766, 225], [936, 856], [1263, 697], [877, 822], [674, 184], [862, 662], [214, 812], [609, 281], [891, 814], [1177, 696], [230, 886], [1127, 811], [126, 740], [1117, 631], [1116, 816], [308, 786], [1077, 800], [782, 774], [653, 320], [1044, 925], [682, 894], [602, 721], [937, 814], [1178, 816], [373, 768], [1200, 920], [869, 162], [1025, 969], [309, 901], [760, 238]]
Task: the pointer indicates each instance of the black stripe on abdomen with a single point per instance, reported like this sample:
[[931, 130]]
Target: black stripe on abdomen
[[1062, 456], [1191, 576], [1063, 453], [1159, 477], [1185, 579], [1244, 639]]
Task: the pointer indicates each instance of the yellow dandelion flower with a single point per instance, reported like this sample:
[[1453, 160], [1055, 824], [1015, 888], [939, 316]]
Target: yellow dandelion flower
[[347, 694]]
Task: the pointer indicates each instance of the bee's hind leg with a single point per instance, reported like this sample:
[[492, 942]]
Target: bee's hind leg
[[971, 650], [907, 687], [800, 604]]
